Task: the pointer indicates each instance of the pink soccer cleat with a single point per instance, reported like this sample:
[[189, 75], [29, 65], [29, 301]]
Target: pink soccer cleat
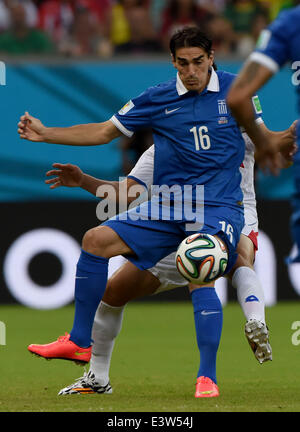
[[64, 349], [205, 387]]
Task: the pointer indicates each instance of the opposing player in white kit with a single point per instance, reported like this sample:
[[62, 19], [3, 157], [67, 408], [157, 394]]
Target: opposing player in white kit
[[164, 276]]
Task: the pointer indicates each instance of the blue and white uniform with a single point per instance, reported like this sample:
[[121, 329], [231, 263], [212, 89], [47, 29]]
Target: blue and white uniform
[[165, 270], [277, 45], [197, 142]]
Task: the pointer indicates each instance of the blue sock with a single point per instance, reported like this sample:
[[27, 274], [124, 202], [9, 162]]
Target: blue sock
[[208, 315], [90, 284]]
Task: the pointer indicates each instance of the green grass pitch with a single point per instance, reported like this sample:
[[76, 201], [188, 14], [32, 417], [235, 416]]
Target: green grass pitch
[[154, 364]]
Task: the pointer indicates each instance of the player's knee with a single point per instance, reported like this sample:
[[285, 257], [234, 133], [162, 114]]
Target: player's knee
[[243, 261], [89, 239], [94, 242]]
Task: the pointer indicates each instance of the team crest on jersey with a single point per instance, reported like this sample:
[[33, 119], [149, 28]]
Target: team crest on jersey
[[127, 107], [222, 107]]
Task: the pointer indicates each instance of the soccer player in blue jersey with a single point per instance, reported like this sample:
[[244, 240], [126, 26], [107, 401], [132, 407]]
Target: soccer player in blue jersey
[[277, 45], [197, 142]]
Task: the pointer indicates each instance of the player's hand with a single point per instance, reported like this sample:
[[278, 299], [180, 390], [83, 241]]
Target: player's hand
[[278, 150], [289, 147], [268, 160], [31, 128], [65, 175], [284, 162]]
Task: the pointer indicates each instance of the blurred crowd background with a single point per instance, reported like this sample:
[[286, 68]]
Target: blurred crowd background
[[105, 28], [39, 37]]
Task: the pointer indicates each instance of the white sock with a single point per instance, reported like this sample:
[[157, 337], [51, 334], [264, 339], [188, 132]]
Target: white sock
[[249, 293], [107, 325]]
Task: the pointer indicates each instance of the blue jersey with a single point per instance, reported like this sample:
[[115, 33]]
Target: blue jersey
[[197, 140], [280, 43], [277, 45]]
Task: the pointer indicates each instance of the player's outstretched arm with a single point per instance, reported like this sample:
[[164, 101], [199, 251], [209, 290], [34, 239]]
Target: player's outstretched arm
[[70, 175], [32, 129]]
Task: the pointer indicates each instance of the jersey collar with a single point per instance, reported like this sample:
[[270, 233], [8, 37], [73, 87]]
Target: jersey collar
[[213, 84]]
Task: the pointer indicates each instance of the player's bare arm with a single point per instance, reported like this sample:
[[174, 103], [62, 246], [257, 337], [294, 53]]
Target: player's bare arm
[[239, 99], [32, 129], [252, 77], [70, 175]]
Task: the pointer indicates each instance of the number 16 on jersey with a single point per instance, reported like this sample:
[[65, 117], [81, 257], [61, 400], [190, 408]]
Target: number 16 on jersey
[[201, 137]]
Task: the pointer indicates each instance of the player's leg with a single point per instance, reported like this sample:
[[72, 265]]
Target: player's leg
[[225, 224], [99, 244], [243, 277], [251, 299], [208, 318], [126, 284], [207, 311], [142, 240]]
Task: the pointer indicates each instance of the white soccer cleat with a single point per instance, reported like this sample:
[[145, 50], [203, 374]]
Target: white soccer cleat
[[86, 384], [257, 335]]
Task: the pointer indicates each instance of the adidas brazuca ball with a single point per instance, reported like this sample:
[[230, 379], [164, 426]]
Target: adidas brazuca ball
[[201, 258]]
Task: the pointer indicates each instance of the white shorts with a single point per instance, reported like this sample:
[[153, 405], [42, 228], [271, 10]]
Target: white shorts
[[165, 270], [251, 225], [251, 220]]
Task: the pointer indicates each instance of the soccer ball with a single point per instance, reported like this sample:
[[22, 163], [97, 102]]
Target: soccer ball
[[201, 258]]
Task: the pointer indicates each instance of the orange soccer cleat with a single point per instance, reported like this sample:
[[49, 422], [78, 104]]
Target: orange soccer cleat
[[64, 349], [205, 387]]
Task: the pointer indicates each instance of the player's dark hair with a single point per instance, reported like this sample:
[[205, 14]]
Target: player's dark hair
[[188, 37]]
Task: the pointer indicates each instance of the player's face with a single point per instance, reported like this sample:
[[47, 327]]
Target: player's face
[[193, 65]]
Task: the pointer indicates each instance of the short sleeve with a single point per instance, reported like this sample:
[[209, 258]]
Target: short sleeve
[[272, 49], [134, 115]]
